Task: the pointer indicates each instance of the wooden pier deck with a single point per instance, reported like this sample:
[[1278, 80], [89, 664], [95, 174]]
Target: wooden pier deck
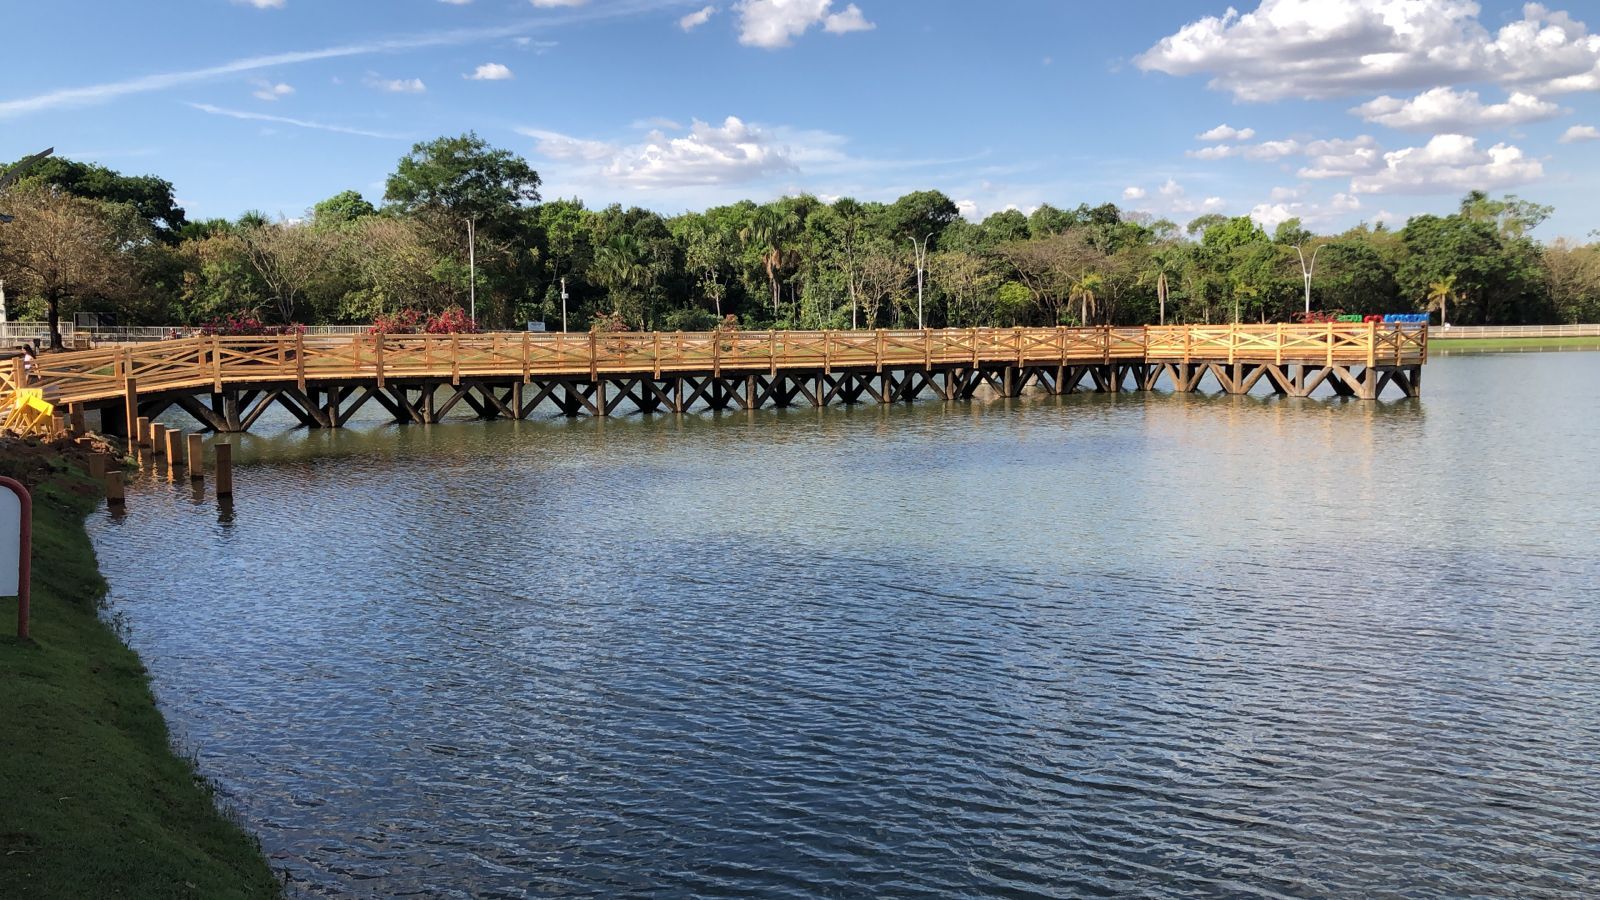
[[226, 383]]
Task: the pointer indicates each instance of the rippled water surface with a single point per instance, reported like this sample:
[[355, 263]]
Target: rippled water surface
[[1063, 646]]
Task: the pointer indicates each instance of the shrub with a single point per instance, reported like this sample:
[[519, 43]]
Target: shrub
[[247, 324]]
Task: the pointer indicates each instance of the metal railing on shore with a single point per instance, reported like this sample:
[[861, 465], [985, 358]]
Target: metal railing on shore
[[1496, 332]]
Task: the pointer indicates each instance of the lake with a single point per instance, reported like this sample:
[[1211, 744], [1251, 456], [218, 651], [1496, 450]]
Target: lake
[[1061, 646]]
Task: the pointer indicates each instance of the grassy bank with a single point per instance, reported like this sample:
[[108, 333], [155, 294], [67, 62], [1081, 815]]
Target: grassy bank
[[93, 801], [1528, 343]]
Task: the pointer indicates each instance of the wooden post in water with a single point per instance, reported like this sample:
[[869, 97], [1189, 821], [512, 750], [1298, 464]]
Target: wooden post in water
[[130, 407], [114, 488], [158, 434], [224, 470], [197, 456], [141, 431], [174, 450]]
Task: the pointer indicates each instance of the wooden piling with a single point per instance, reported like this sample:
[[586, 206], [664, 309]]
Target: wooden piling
[[224, 464], [97, 466], [114, 488], [75, 417], [130, 407], [158, 436], [174, 450], [141, 431], [197, 456]]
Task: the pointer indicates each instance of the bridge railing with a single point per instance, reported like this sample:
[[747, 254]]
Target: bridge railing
[[194, 363]]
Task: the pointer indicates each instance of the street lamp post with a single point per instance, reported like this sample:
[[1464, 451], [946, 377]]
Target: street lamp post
[[1308, 270], [922, 264], [472, 270]]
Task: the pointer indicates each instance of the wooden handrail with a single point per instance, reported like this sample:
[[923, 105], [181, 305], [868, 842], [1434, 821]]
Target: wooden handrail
[[211, 362]]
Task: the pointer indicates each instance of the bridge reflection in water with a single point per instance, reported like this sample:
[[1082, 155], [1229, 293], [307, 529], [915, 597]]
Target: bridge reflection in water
[[226, 383]]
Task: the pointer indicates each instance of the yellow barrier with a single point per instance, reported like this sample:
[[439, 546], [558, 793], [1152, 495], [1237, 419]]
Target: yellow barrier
[[30, 412]]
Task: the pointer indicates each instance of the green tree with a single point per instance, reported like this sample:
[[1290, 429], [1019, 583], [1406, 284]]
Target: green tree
[[341, 209], [150, 197]]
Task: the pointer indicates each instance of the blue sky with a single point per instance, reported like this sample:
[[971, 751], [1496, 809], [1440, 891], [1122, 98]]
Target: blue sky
[[1336, 111]]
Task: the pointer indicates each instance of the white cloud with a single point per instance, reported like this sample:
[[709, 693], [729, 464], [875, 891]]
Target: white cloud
[[1446, 109], [1172, 199], [1579, 133], [456, 2], [697, 18], [1336, 48], [266, 90], [845, 22], [776, 23], [1340, 157], [111, 90], [729, 153], [1266, 150], [1272, 214], [551, 4], [658, 122], [298, 123], [261, 4], [1284, 193], [490, 72], [397, 85], [1226, 133], [1449, 163]]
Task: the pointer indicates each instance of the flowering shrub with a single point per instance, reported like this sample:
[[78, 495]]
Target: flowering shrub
[[246, 324], [609, 322], [1316, 318], [452, 321], [412, 321]]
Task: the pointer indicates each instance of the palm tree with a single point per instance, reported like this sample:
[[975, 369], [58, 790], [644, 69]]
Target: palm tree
[[1440, 293], [619, 265], [1163, 262], [769, 231], [1084, 288]]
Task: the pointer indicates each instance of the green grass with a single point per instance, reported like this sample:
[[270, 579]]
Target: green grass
[[1436, 342], [93, 800]]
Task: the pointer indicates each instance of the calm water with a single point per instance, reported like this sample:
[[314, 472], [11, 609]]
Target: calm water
[[1090, 645]]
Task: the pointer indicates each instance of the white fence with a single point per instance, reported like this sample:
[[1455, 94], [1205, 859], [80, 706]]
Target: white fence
[[1463, 332], [14, 333]]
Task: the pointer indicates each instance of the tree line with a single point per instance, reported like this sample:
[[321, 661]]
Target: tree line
[[87, 238]]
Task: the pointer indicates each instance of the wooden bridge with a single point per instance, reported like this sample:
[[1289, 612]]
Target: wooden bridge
[[227, 383]]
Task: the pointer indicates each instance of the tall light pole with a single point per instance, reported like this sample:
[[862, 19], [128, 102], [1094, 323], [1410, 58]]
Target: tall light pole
[[563, 303], [922, 264], [472, 270], [1308, 270]]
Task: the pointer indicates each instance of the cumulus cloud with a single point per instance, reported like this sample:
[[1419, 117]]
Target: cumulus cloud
[[1578, 133], [491, 72], [266, 90], [1281, 209], [397, 85], [1171, 199], [729, 153], [1226, 133], [1449, 163], [1449, 110], [1340, 157], [697, 18], [776, 23], [1266, 150], [1322, 48]]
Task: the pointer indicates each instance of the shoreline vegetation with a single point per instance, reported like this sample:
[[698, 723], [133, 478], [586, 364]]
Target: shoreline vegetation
[[94, 799]]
